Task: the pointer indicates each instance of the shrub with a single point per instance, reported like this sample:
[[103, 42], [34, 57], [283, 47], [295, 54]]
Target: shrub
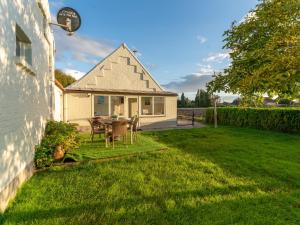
[[277, 119], [56, 133]]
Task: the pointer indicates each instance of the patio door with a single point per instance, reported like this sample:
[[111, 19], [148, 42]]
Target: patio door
[[132, 107]]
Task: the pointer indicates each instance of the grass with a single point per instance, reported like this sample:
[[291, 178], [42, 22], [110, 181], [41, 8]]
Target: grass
[[96, 150], [208, 176]]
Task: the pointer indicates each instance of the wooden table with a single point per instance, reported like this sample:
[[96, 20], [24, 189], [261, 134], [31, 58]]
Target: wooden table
[[108, 123]]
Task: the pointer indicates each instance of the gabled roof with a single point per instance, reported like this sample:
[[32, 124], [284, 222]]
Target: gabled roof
[[121, 70], [121, 92]]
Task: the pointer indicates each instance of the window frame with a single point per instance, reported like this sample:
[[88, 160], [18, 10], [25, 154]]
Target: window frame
[[110, 105], [24, 45], [96, 102], [23, 50], [152, 101], [164, 105]]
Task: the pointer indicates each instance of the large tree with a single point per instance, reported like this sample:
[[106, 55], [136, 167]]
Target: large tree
[[265, 52], [63, 78]]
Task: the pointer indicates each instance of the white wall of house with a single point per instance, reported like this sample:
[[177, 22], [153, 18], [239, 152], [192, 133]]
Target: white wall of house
[[25, 90], [121, 70], [79, 107], [58, 104]]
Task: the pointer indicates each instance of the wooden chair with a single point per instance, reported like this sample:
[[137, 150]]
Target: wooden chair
[[119, 129], [97, 127], [133, 128]]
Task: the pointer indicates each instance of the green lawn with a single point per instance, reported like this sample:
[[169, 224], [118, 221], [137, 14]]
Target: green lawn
[[96, 150], [208, 176]]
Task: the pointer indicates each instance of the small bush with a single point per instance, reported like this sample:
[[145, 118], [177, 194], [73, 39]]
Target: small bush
[[56, 133], [277, 119]]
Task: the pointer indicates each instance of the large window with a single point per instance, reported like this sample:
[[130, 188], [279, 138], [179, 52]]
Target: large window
[[147, 105], [152, 105], [101, 107], [159, 105], [117, 105], [23, 46]]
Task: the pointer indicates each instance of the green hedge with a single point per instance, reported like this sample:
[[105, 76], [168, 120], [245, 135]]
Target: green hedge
[[277, 119]]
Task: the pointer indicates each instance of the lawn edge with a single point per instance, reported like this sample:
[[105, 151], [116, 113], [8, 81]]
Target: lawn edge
[[100, 160]]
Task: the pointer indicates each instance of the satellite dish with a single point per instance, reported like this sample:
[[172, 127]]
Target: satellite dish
[[68, 19]]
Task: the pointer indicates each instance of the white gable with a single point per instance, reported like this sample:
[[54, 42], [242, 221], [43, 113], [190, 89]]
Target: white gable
[[121, 70]]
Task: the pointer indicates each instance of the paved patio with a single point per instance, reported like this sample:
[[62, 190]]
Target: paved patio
[[182, 124]]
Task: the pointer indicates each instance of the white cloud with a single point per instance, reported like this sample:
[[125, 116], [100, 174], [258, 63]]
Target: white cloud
[[204, 70], [217, 57], [80, 48], [189, 83], [74, 73], [227, 97], [201, 39], [192, 82]]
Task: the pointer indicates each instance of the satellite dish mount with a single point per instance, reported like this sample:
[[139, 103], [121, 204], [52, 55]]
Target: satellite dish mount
[[68, 19]]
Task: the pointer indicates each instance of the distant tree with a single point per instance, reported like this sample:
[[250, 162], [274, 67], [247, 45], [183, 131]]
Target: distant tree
[[178, 103], [202, 99], [182, 100], [192, 103], [63, 78], [185, 102]]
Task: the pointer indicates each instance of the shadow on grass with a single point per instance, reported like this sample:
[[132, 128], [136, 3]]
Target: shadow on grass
[[175, 208]]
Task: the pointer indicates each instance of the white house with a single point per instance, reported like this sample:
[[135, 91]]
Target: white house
[[26, 88], [120, 85]]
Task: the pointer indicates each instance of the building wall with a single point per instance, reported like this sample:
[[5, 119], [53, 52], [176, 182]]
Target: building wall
[[25, 94], [170, 117], [120, 70], [58, 104], [78, 107]]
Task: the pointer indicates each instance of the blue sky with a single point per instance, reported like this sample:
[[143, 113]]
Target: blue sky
[[179, 41]]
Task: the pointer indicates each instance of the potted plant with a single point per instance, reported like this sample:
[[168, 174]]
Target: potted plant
[[114, 117]]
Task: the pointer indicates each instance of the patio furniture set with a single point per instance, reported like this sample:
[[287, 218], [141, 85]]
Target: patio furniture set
[[114, 129]]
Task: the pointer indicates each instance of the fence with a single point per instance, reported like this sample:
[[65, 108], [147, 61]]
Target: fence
[[188, 116]]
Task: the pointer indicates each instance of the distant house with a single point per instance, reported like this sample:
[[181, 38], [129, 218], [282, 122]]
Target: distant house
[[269, 101], [26, 87], [120, 85]]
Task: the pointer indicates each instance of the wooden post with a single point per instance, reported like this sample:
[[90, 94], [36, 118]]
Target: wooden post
[[193, 119], [215, 113]]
